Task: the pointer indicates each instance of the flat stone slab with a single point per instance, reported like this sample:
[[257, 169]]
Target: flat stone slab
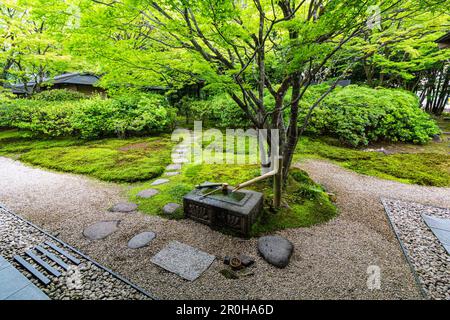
[[275, 250], [172, 173], [160, 181], [147, 193], [141, 240], [173, 167], [15, 286], [440, 228], [171, 208], [124, 207], [185, 261], [101, 230]]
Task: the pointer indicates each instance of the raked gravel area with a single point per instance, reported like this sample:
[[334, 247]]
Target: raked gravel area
[[330, 261]]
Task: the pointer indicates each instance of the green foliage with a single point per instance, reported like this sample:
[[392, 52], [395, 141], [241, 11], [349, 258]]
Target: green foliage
[[89, 118], [423, 168], [218, 110], [308, 202], [59, 95], [360, 115]]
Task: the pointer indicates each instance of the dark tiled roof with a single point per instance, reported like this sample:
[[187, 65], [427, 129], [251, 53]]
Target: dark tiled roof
[[66, 78]]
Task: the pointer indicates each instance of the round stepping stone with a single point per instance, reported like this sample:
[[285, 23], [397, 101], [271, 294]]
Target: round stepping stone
[[141, 240], [147, 193], [159, 181], [275, 250], [170, 208], [173, 167], [124, 207], [171, 174], [101, 230]]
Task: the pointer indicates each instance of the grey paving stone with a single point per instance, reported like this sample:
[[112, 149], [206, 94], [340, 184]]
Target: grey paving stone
[[11, 281], [185, 261], [440, 228], [147, 193], [159, 181], [141, 240], [435, 222], [124, 207], [173, 167], [3, 263], [170, 208], [172, 173], [101, 230], [30, 292]]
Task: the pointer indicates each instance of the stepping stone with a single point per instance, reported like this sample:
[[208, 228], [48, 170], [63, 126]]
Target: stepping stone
[[101, 230], [185, 261], [275, 250], [179, 161], [147, 193], [124, 207], [170, 208], [141, 240], [159, 181], [173, 167], [172, 173]]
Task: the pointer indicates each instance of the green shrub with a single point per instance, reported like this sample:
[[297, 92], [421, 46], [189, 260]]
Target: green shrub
[[124, 116], [359, 115], [59, 95], [218, 110], [89, 118]]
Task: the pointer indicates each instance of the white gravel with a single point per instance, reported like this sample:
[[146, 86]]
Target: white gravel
[[330, 261], [428, 257]]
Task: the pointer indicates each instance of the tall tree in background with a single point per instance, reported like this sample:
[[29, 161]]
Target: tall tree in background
[[32, 34], [402, 53], [247, 48]]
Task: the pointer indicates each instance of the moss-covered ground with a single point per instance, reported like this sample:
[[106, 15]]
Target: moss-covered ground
[[138, 161]]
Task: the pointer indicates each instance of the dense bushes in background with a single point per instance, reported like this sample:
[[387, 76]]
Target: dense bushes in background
[[89, 118], [359, 115], [59, 95], [218, 110]]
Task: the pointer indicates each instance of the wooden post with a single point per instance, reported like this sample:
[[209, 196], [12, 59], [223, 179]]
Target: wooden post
[[277, 184]]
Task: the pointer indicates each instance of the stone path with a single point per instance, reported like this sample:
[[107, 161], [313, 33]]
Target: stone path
[[330, 261]]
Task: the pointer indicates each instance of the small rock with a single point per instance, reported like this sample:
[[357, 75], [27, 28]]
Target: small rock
[[275, 250], [159, 181], [147, 193], [124, 207], [141, 240], [229, 274], [246, 260], [437, 138], [170, 208]]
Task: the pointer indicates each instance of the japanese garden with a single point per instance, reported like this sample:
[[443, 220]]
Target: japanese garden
[[224, 149]]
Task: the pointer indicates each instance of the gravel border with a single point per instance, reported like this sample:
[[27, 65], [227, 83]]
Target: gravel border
[[428, 259], [87, 281]]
